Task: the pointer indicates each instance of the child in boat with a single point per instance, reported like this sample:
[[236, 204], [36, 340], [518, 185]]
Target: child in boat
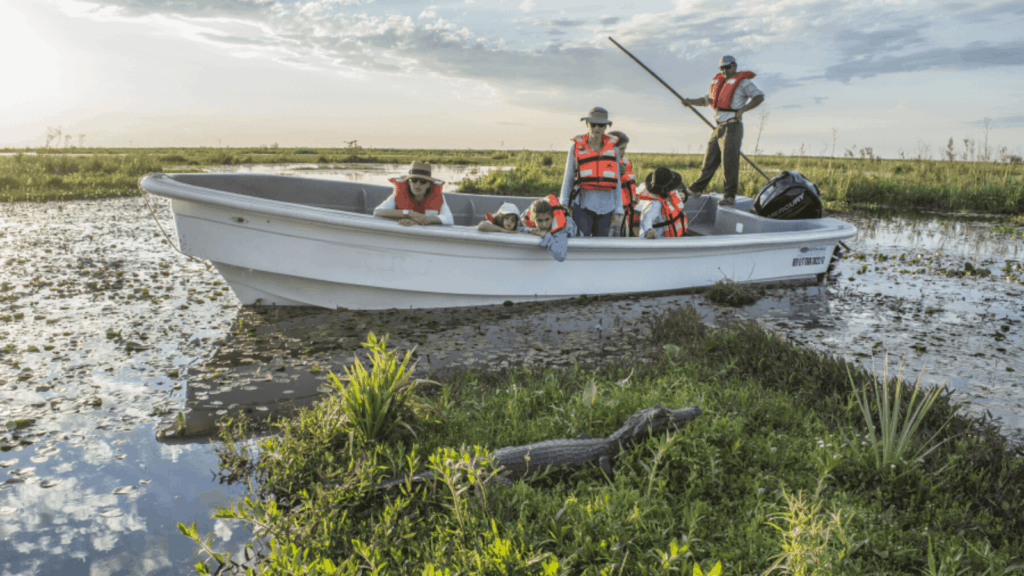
[[546, 218], [506, 219], [623, 224], [417, 199], [661, 206]]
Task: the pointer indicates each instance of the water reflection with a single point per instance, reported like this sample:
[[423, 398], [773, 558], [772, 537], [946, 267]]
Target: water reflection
[[973, 238]]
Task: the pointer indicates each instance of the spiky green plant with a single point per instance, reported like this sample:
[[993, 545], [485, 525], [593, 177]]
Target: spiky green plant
[[377, 401], [892, 440]]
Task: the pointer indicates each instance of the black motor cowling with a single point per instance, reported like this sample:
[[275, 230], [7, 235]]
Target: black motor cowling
[[789, 196]]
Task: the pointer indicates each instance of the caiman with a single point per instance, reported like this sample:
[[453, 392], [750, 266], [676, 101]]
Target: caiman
[[517, 462]]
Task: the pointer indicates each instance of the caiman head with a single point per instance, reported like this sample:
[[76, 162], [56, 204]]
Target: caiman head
[[653, 420]]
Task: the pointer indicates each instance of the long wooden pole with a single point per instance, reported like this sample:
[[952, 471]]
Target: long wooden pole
[[683, 100]]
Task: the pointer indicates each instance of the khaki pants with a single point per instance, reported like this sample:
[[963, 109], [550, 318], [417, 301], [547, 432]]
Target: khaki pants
[[723, 148]]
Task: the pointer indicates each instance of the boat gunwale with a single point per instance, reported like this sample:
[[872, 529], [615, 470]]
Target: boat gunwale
[[165, 186]]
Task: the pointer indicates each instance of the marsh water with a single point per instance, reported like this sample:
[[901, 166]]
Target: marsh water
[[107, 334]]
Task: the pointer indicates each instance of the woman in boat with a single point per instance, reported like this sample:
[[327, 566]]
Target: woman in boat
[[591, 187], [417, 199], [662, 214], [546, 218], [623, 224], [506, 219]]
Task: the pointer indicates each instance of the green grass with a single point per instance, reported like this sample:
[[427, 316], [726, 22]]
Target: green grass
[[40, 178], [113, 172], [988, 188], [762, 480], [957, 186], [737, 295]]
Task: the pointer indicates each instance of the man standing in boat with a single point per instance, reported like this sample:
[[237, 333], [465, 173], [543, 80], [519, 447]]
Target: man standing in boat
[[731, 94], [591, 187], [417, 199]]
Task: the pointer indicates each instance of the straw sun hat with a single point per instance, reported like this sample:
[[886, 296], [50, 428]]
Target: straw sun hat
[[420, 170]]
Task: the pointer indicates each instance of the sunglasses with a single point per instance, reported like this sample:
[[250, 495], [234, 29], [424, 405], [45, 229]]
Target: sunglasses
[[418, 181], [726, 67]]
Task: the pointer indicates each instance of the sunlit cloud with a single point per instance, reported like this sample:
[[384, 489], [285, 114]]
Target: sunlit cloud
[[550, 55]]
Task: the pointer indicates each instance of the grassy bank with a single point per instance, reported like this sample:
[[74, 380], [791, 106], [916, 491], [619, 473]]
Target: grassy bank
[[931, 185], [111, 172], [780, 473], [956, 186]]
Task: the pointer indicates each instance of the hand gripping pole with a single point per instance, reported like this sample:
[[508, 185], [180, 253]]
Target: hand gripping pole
[[683, 100]]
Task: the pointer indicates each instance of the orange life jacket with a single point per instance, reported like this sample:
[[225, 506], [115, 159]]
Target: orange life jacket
[[674, 221], [721, 90], [596, 170], [557, 212], [434, 199], [628, 184]]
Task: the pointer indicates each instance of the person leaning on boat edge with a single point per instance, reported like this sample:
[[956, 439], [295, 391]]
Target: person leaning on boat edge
[[547, 218], [417, 199], [506, 219], [591, 187], [731, 94]]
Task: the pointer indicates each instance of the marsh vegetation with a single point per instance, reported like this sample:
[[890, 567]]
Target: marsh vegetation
[[792, 467], [952, 185]]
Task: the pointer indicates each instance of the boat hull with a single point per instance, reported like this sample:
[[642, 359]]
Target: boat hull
[[328, 251]]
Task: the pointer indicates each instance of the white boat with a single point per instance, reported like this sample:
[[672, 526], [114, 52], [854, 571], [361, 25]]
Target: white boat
[[289, 241]]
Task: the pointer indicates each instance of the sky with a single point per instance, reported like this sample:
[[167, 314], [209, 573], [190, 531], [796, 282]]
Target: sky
[[898, 77]]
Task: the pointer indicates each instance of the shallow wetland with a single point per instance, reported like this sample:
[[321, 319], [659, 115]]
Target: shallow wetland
[[107, 334]]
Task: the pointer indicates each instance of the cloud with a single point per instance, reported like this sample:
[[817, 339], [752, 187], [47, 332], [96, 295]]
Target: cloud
[[855, 43], [974, 56], [239, 40], [845, 40], [1004, 122], [204, 9], [995, 12]]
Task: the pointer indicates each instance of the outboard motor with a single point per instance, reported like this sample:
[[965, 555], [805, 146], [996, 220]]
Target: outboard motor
[[789, 196]]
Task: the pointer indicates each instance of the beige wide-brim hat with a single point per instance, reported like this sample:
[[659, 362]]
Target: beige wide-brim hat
[[597, 115], [420, 170]]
